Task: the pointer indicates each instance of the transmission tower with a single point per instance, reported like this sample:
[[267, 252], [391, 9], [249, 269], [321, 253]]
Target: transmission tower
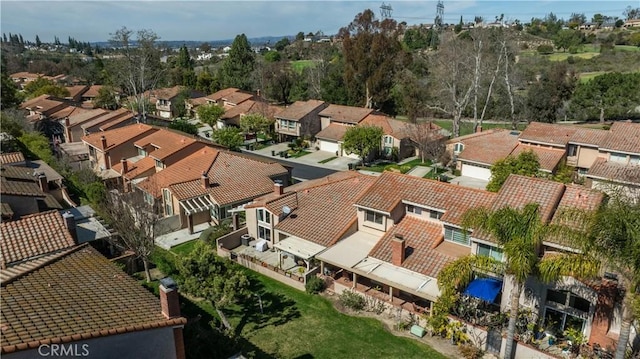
[[385, 10], [437, 24]]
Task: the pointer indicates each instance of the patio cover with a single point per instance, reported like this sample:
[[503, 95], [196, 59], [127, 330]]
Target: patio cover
[[399, 277], [197, 204], [351, 250], [484, 288], [299, 247]]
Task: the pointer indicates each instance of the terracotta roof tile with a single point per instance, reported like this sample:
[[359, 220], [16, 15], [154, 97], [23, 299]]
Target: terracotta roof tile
[[76, 90], [518, 191], [623, 136], [92, 299], [348, 114], [106, 118], [219, 95], [11, 157], [78, 119], [237, 97], [616, 172], [333, 132], [6, 210], [396, 128], [548, 133], [223, 176], [167, 93], [297, 110], [165, 143], [66, 112], [588, 136], [474, 135], [329, 203], [32, 236], [549, 158], [489, 148], [421, 237], [392, 188], [92, 92], [118, 136]]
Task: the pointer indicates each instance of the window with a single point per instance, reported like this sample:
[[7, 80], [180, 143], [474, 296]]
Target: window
[[458, 147], [168, 202], [375, 217], [292, 125], [435, 214], [142, 152], [618, 157], [414, 209], [489, 251], [635, 160], [572, 150], [264, 216], [264, 233], [92, 152], [565, 310], [455, 235], [388, 140], [148, 199], [159, 164]]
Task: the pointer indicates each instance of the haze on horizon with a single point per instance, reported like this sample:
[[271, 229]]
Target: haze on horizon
[[94, 20]]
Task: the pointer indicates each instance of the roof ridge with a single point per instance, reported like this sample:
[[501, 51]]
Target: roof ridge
[[28, 216], [328, 182], [438, 183], [58, 256]]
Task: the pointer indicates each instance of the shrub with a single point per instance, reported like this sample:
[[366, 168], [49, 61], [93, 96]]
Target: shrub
[[470, 351], [545, 49], [164, 261], [573, 49], [314, 285], [352, 300]]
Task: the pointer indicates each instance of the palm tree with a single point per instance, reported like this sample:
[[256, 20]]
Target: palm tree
[[520, 233]]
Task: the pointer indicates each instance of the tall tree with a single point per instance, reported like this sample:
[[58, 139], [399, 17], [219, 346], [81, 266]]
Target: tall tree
[[139, 70], [427, 139], [217, 280], [210, 114], [237, 67], [520, 233], [38, 42], [372, 55], [279, 80], [611, 95], [631, 13], [547, 95], [526, 164], [255, 123], [106, 98], [362, 140], [230, 137], [9, 91], [43, 86]]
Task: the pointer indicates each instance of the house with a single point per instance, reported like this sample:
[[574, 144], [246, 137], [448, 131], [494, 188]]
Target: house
[[165, 100], [233, 114], [108, 121], [90, 95], [631, 23], [42, 106], [71, 125], [25, 192], [112, 317], [203, 187], [391, 235], [334, 122], [300, 119], [76, 92], [21, 79]]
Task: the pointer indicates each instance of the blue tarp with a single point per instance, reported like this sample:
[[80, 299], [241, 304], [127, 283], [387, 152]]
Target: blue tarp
[[484, 288]]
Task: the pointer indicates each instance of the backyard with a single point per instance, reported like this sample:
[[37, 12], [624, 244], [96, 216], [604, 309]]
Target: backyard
[[293, 324]]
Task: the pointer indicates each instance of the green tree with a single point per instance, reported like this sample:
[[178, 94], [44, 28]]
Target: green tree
[[547, 95], [416, 38], [237, 67], [184, 126], [8, 92], [282, 44], [272, 56], [230, 137], [206, 82], [362, 140], [205, 275], [598, 19], [38, 145], [608, 96], [210, 114], [526, 164], [372, 55], [458, 28], [255, 123], [106, 98], [38, 42], [279, 80], [566, 39], [332, 87], [43, 86]]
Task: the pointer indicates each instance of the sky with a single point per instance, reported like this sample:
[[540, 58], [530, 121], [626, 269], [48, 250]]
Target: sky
[[206, 20]]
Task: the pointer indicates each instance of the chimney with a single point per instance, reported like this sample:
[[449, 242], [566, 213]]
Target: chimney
[[103, 142], [70, 223], [125, 166], [479, 129], [169, 299], [67, 130], [258, 92], [42, 181], [278, 188], [205, 180], [397, 250]]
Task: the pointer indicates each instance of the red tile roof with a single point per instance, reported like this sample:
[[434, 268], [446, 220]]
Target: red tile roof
[[76, 90], [348, 114], [325, 211], [166, 143], [80, 295], [92, 92], [297, 110], [616, 172], [549, 158], [392, 188], [333, 132], [489, 148], [33, 236], [548, 134], [107, 118], [118, 136], [219, 95], [237, 97], [11, 157], [136, 169], [66, 112], [624, 137], [421, 240], [223, 175], [518, 191], [588, 136], [473, 135], [396, 128], [167, 93], [77, 119]]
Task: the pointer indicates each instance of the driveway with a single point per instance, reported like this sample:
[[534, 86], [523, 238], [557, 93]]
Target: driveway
[[470, 182], [312, 159]]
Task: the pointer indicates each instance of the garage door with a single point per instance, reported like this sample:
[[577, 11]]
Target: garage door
[[329, 146], [476, 172]]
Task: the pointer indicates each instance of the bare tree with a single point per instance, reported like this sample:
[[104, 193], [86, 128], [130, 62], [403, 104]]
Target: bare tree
[[427, 138], [451, 83], [135, 222], [139, 70]]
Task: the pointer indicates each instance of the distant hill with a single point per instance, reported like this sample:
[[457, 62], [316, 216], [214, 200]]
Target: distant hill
[[255, 41]]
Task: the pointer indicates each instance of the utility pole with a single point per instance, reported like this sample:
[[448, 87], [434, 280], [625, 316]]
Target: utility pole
[[436, 30], [385, 11]]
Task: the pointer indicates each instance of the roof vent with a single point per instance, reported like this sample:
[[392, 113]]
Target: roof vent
[[514, 133]]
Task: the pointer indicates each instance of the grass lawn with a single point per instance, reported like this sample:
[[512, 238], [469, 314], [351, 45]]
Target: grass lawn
[[627, 48], [300, 65], [184, 248], [586, 76], [328, 159], [434, 173], [562, 56], [298, 154]]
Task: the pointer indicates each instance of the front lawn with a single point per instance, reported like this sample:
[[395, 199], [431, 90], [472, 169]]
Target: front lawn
[[328, 159], [296, 154], [184, 248]]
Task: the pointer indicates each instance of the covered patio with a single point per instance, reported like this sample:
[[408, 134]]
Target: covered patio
[[299, 250], [196, 206]]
